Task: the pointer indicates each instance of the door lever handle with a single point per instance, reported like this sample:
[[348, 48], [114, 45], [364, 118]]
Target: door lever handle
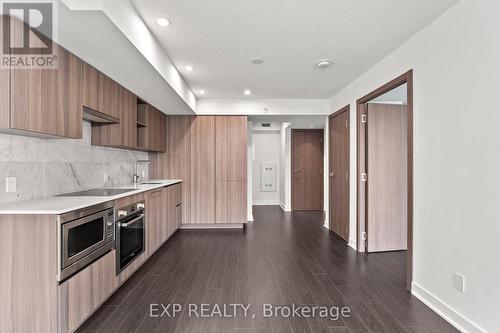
[[332, 174]]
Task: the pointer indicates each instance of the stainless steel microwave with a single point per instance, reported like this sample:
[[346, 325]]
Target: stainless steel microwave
[[84, 236]]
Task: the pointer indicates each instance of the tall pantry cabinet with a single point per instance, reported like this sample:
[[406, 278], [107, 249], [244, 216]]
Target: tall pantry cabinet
[[209, 153]]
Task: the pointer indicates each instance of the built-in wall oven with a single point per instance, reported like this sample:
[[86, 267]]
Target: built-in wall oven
[[84, 236], [130, 235]]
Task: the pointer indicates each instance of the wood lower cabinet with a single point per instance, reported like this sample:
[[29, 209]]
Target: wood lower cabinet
[[178, 201], [162, 215], [31, 298], [28, 270], [82, 294], [155, 217]]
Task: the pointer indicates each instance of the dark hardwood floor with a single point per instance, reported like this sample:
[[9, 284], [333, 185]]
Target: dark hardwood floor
[[280, 259]]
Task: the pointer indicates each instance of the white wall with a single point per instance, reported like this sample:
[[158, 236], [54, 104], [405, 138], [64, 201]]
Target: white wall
[[285, 190], [456, 61], [267, 150]]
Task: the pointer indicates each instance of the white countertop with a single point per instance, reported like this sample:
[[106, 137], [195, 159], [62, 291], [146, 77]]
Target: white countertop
[[59, 205]]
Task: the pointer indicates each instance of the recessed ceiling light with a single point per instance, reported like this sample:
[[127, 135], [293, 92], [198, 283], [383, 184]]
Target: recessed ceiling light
[[202, 92], [324, 63], [189, 68], [311, 126], [257, 61], [247, 92], [163, 21]]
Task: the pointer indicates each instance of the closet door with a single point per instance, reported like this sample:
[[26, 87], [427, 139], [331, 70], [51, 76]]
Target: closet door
[[387, 178], [203, 170]]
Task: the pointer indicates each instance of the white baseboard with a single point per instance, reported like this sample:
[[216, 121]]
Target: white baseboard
[[352, 243], [284, 208], [212, 226], [265, 203], [452, 316]]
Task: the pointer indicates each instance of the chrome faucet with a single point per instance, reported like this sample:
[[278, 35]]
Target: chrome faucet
[[136, 176]]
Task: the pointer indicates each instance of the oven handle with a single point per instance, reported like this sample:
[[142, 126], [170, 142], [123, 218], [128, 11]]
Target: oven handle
[[124, 225]]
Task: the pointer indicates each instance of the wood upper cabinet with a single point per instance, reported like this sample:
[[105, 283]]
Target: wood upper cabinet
[[42, 101], [109, 97], [69, 109], [203, 170], [152, 135], [231, 147], [123, 134], [91, 87], [48, 101], [128, 119], [101, 94]]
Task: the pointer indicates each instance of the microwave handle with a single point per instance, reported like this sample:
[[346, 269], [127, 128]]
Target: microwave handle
[[124, 225]]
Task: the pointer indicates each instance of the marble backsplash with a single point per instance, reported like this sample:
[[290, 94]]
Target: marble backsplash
[[45, 167]]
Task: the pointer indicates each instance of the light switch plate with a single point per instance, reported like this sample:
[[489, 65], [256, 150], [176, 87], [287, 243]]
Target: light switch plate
[[10, 184], [459, 282]]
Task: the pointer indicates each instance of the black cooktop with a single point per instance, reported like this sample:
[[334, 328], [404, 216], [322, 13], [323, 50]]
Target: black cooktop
[[98, 192]]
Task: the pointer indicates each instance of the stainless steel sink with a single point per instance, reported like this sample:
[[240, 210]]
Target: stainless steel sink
[[151, 183]]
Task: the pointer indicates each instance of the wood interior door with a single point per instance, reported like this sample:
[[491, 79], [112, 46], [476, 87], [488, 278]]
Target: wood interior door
[[387, 177], [307, 169], [339, 173]]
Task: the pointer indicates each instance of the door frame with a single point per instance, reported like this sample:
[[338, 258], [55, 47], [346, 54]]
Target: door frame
[[361, 164], [293, 164], [347, 109]]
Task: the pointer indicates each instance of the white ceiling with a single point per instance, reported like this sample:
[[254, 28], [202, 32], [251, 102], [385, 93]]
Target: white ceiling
[[220, 37]]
